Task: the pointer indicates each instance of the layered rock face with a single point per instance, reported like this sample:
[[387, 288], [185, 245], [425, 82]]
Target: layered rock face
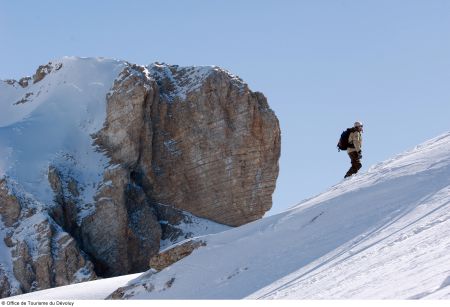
[[177, 147], [196, 139], [215, 149]]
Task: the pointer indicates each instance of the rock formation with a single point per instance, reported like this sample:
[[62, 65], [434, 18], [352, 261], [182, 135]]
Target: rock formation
[[174, 254], [215, 149], [176, 143], [43, 255]]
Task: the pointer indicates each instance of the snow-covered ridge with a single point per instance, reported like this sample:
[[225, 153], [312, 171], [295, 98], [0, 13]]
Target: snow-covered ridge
[[49, 76], [61, 111], [182, 80]]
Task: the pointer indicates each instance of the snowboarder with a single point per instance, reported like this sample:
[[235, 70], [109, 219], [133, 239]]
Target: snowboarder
[[354, 148]]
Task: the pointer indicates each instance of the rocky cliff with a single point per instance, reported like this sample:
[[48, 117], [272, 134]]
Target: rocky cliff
[[103, 162]]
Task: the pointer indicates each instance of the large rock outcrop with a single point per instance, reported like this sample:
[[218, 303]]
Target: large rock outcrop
[[177, 146], [215, 149], [196, 139]]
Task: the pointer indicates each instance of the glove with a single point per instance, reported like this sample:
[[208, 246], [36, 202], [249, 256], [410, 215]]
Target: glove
[[360, 154]]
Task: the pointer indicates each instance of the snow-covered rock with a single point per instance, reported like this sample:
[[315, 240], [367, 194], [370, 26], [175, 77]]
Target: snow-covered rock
[[94, 151]]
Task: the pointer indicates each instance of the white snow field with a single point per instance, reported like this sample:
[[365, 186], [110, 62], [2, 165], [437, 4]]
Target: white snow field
[[383, 234]]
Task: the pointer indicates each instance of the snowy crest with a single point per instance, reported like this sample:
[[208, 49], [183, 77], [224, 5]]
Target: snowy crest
[[177, 82]]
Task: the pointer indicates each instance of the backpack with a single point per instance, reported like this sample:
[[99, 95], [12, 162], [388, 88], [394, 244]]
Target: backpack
[[343, 143]]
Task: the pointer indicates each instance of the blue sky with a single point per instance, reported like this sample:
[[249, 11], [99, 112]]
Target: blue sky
[[321, 64]]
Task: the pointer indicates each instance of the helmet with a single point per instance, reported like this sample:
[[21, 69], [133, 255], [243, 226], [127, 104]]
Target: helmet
[[358, 124]]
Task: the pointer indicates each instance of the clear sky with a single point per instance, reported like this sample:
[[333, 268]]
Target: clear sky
[[321, 64]]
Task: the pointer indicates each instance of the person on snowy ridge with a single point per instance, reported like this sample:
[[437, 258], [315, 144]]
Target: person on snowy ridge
[[354, 148]]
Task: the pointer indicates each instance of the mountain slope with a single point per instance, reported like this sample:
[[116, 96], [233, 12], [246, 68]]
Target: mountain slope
[[384, 234]]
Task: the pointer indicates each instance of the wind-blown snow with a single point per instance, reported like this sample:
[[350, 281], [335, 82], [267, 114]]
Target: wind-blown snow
[[384, 234]]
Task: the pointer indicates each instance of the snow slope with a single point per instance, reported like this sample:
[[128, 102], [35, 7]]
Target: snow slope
[[90, 290], [384, 234], [50, 122]]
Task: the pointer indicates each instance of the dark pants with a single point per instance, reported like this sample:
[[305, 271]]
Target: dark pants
[[356, 164]]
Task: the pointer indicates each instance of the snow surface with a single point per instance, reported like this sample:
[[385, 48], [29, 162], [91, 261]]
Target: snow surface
[[90, 290], [384, 234], [54, 125]]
